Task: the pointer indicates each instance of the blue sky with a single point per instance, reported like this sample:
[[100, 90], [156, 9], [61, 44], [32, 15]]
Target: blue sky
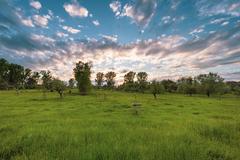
[[165, 38]]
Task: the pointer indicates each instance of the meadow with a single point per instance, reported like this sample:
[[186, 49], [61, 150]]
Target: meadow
[[105, 125]]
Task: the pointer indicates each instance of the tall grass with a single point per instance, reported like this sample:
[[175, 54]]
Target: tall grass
[[173, 127]]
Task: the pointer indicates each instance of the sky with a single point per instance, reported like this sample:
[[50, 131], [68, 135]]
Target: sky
[[167, 39]]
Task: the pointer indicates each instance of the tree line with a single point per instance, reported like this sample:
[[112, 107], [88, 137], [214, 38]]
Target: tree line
[[14, 76]]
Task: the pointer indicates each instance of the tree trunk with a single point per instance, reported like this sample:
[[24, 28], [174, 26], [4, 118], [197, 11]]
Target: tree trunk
[[61, 94], [208, 93], [155, 95]]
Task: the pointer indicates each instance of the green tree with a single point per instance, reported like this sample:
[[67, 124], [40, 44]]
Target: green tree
[[46, 78], [16, 75], [209, 82], [71, 83], [110, 79], [142, 81], [99, 79], [129, 84], [4, 68], [156, 88], [58, 86], [169, 85], [32, 80], [82, 73], [187, 85]]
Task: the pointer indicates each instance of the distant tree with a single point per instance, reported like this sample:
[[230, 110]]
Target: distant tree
[[209, 82], [32, 80], [4, 68], [187, 85], [236, 90], [26, 76], [222, 89], [58, 86], [15, 75], [169, 85], [129, 77], [71, 84], [142, 81], [233, 85], [82, 73], [156, 88], [46, 78], [129, 84], [110, 79], [99, 79]]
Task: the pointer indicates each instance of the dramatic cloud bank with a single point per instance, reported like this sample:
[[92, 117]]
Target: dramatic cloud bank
[[29, 40]]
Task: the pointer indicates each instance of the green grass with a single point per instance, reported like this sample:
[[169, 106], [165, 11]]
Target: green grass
[[173, 127]]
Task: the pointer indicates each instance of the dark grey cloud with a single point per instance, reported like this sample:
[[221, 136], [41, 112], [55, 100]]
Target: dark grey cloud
[[141, 11]]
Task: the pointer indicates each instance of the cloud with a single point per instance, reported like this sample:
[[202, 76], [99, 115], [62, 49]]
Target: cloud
[[61, 34], [28, 22], [225, 23], [25, 21], [116, 7], [71, 30], [165, 56], [113, 38], [197, 30], [224, 7], [141, 12], [36, 4], [41, 21], [75, 10], [96, 22]]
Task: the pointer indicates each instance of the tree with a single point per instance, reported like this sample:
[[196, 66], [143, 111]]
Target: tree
[[82, 73], [71, 83], [46, 78], [209, 82], [129, 81], [169, 85], [129, 77], [4, 66], [15, 75], [110, 79], [187, 85], [99, 79], [142, 81], [32, 80], [222, 89], [58, 86], [156, 88], [237, 90], [26, 76]]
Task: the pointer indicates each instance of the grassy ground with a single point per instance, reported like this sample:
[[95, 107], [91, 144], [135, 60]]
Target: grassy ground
[[173, 127]]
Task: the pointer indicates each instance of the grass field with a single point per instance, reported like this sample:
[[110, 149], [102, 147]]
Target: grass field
[[173, 127]]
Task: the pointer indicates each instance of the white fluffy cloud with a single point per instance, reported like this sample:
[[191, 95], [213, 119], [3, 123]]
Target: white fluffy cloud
[[61, 34], [27, 22], [71, 30], [113, 38], [75, 10], [41, 21], [116, 7], [96, 22], [36, 4]]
